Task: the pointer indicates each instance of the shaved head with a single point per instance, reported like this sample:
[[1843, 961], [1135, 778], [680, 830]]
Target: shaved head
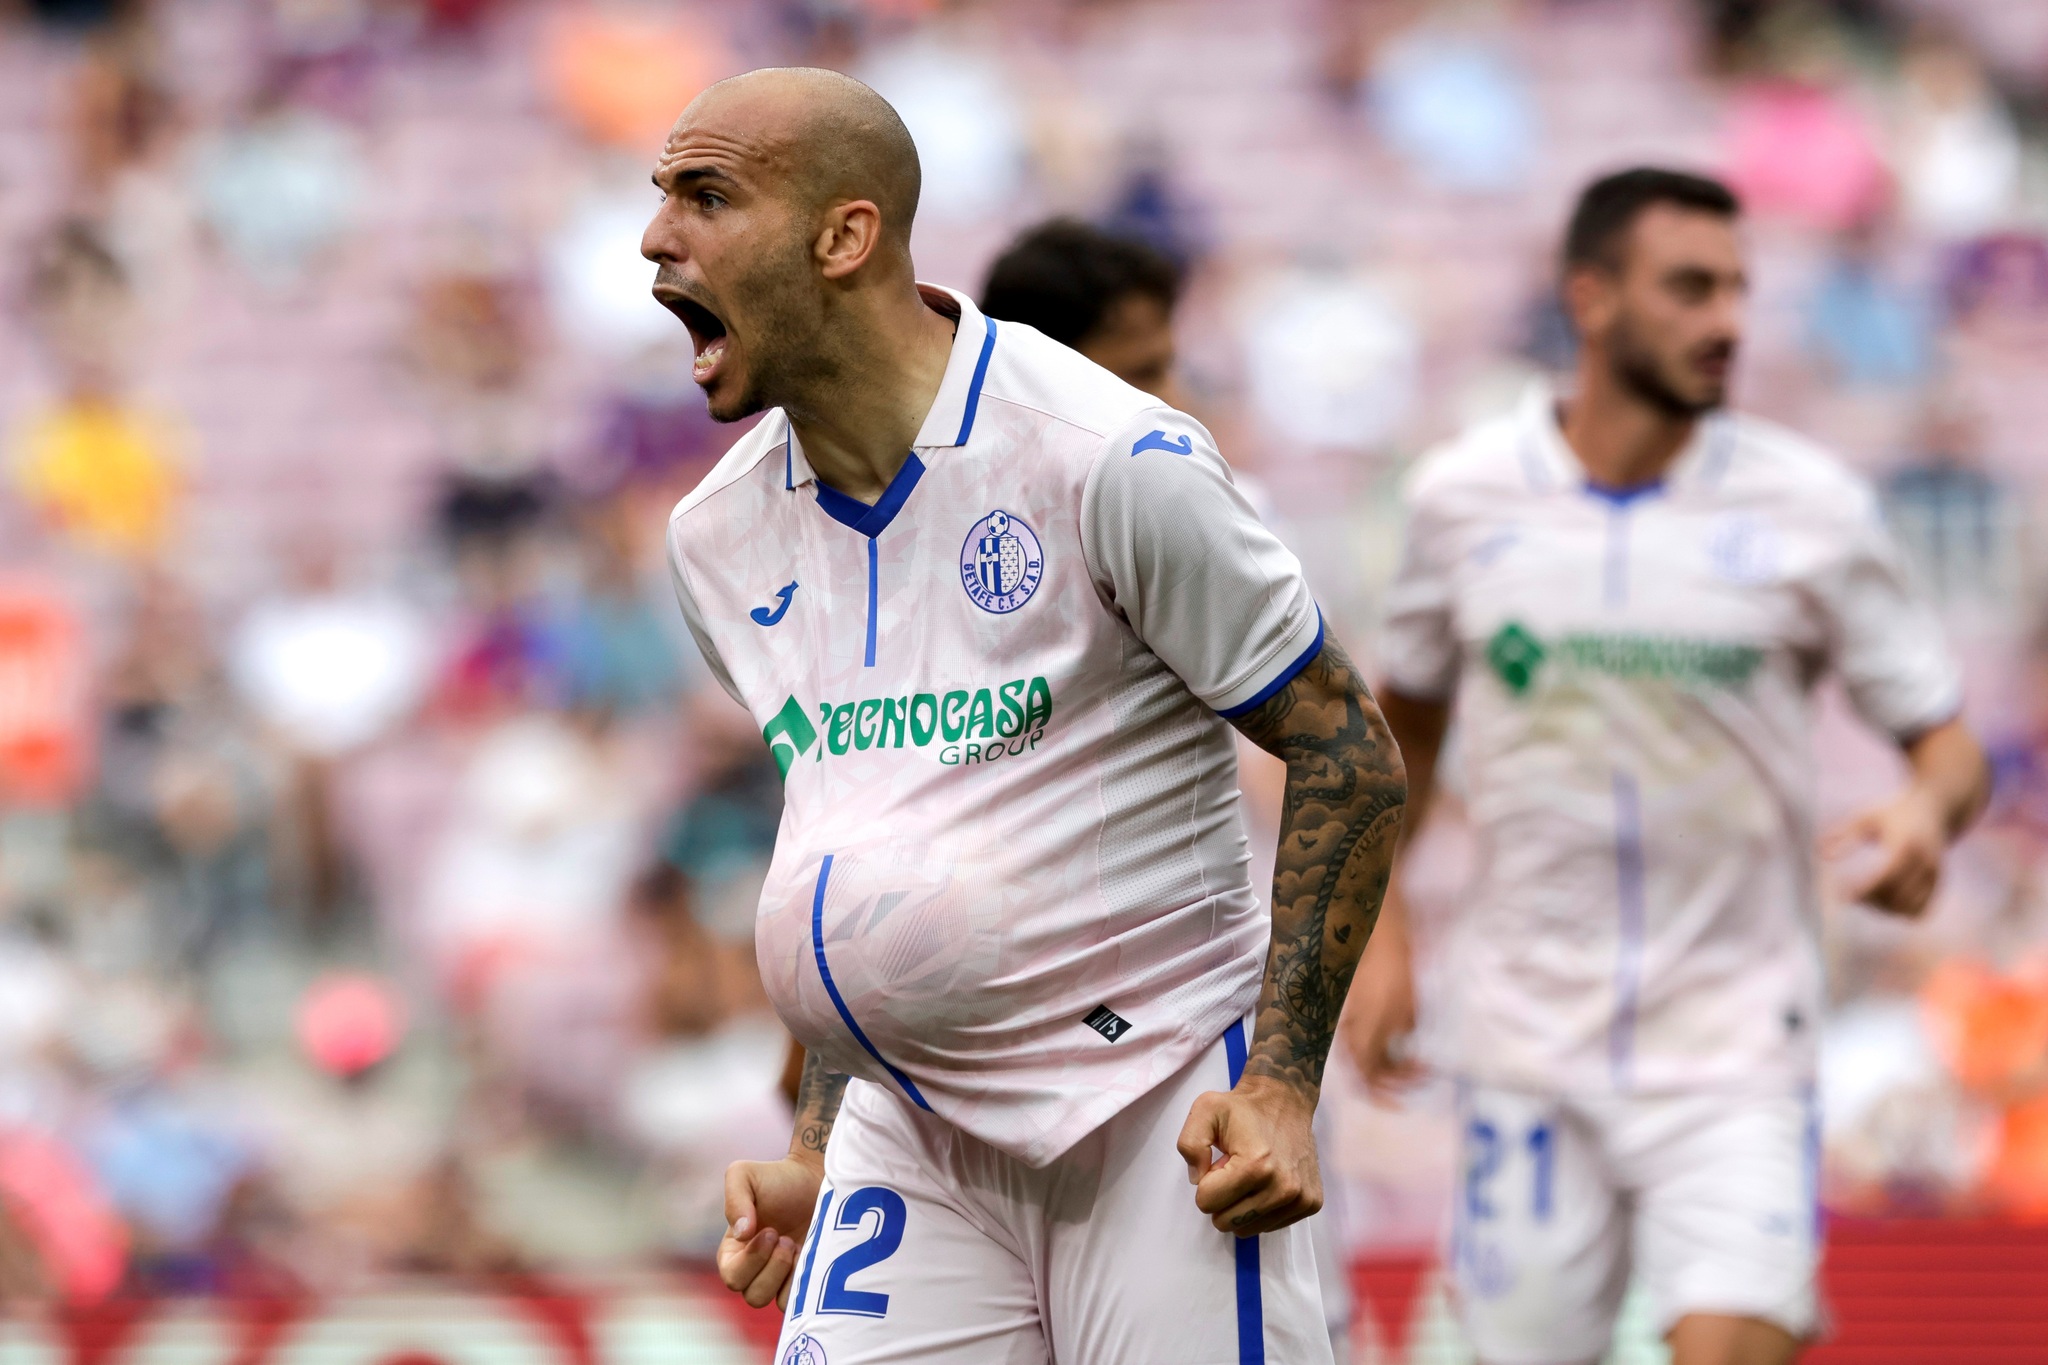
[[788, 197], [839, 140]]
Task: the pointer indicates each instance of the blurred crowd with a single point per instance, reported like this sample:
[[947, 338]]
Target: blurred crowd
[[377, 863]]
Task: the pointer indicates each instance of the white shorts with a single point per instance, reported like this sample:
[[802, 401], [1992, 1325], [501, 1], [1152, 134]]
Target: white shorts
[[1711, 1199], [933, 1247]]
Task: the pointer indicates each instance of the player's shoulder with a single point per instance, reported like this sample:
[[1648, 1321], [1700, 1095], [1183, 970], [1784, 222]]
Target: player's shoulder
[[1042, 383], [1483, 459], [1771, 464], [721, 489]]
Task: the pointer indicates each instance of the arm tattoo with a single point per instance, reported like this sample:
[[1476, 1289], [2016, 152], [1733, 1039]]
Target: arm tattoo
[[1339, 822], [818, 1095]]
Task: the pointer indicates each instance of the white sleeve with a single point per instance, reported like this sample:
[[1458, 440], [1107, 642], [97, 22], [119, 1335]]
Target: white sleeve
[[1884, 639], [1180, 552], [1418, 645], [694, 619]]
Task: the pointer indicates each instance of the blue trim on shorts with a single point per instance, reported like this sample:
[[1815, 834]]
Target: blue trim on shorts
[[1251, 1304], [838, 1003]]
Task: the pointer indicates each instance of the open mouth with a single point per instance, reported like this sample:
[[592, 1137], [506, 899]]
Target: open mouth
[[707, 334]]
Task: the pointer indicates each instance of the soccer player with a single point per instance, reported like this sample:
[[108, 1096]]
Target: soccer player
[[1108, 297], [996, 612], [1627, 598]]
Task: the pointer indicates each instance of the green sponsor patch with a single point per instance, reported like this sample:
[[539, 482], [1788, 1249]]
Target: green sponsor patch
[[789, 735], [1516, 656], [967, 724]]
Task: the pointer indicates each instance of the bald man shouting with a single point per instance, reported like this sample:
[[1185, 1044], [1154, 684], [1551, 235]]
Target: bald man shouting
[[995, 612]]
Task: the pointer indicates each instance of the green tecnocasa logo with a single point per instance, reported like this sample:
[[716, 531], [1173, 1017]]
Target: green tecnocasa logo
[[970, 725], [1515, 655]]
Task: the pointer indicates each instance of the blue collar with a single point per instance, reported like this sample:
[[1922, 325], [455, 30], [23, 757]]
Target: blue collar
[[1620, 498], [872, 521]]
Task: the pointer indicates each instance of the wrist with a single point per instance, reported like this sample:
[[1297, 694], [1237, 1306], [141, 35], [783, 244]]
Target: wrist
[[807, 1157], [1263, 1081]]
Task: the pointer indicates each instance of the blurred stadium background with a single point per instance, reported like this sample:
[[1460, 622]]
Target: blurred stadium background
[[376, 861]]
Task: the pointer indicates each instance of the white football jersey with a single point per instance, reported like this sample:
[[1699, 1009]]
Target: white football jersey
[[1011, 878], [1633, 674]]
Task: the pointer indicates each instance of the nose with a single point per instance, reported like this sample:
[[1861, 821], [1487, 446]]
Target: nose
[[660, 243]]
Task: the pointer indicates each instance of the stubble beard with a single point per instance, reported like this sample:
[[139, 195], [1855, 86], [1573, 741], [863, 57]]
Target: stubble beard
[[1637, 367], [785, 359]]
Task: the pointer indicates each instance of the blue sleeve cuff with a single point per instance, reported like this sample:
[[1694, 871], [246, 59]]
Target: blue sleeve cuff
[[1280, 680]]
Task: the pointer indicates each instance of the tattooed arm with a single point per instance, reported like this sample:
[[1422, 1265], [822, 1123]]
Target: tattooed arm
[[818, 1093], [1339, 822], [768, 1204]]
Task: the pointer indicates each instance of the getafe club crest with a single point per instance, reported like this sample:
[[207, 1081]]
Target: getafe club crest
[[1001, 562], [805, 1350]]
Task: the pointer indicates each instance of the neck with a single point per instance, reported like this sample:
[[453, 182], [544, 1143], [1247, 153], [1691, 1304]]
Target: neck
[[888, 355], [1622, 439]]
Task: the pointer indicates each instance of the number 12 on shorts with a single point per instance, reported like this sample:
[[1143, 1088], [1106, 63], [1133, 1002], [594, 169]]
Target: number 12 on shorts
[[836, 1295], [1484, 1154]]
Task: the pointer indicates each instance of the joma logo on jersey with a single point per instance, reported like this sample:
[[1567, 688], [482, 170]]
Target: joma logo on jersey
[[969, 725]]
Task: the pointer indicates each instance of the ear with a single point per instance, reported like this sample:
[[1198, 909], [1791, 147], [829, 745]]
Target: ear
[[1591, 295], [850, 234]]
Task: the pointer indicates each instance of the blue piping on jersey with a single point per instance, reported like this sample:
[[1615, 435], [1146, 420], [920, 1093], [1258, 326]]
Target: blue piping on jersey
[[874, 592], [1722, 433], [1628, 958], [871, 522], [803, 1284], [788, 459], [846, 1015], [988, 348], [1532, 467], [1287, 675], [1614, 579], [1251, 1305]]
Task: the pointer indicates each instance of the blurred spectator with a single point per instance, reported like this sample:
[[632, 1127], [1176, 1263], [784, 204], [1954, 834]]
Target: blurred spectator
[[1804, 152], [653, 430], [1997, 288], [1865, 325], [1992, 1030], [1149, 207], [965, 118], [123, 113], [281, 188], [598, 283], [622, 75], [95, 467], [329, 668], [1959, 150], [1456, 105], [45, 739], [1331, 362], [1958, 522]]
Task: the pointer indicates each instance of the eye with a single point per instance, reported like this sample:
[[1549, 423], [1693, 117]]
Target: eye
[[710, 199]]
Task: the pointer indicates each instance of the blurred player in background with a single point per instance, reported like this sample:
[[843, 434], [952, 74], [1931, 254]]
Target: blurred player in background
[[1109, 297], [996, 612], [1627, 598], [1112, 299]]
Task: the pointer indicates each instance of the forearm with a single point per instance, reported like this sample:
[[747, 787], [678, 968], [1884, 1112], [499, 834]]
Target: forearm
[[1950, 773], [1339, 822], [818, 1095]]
